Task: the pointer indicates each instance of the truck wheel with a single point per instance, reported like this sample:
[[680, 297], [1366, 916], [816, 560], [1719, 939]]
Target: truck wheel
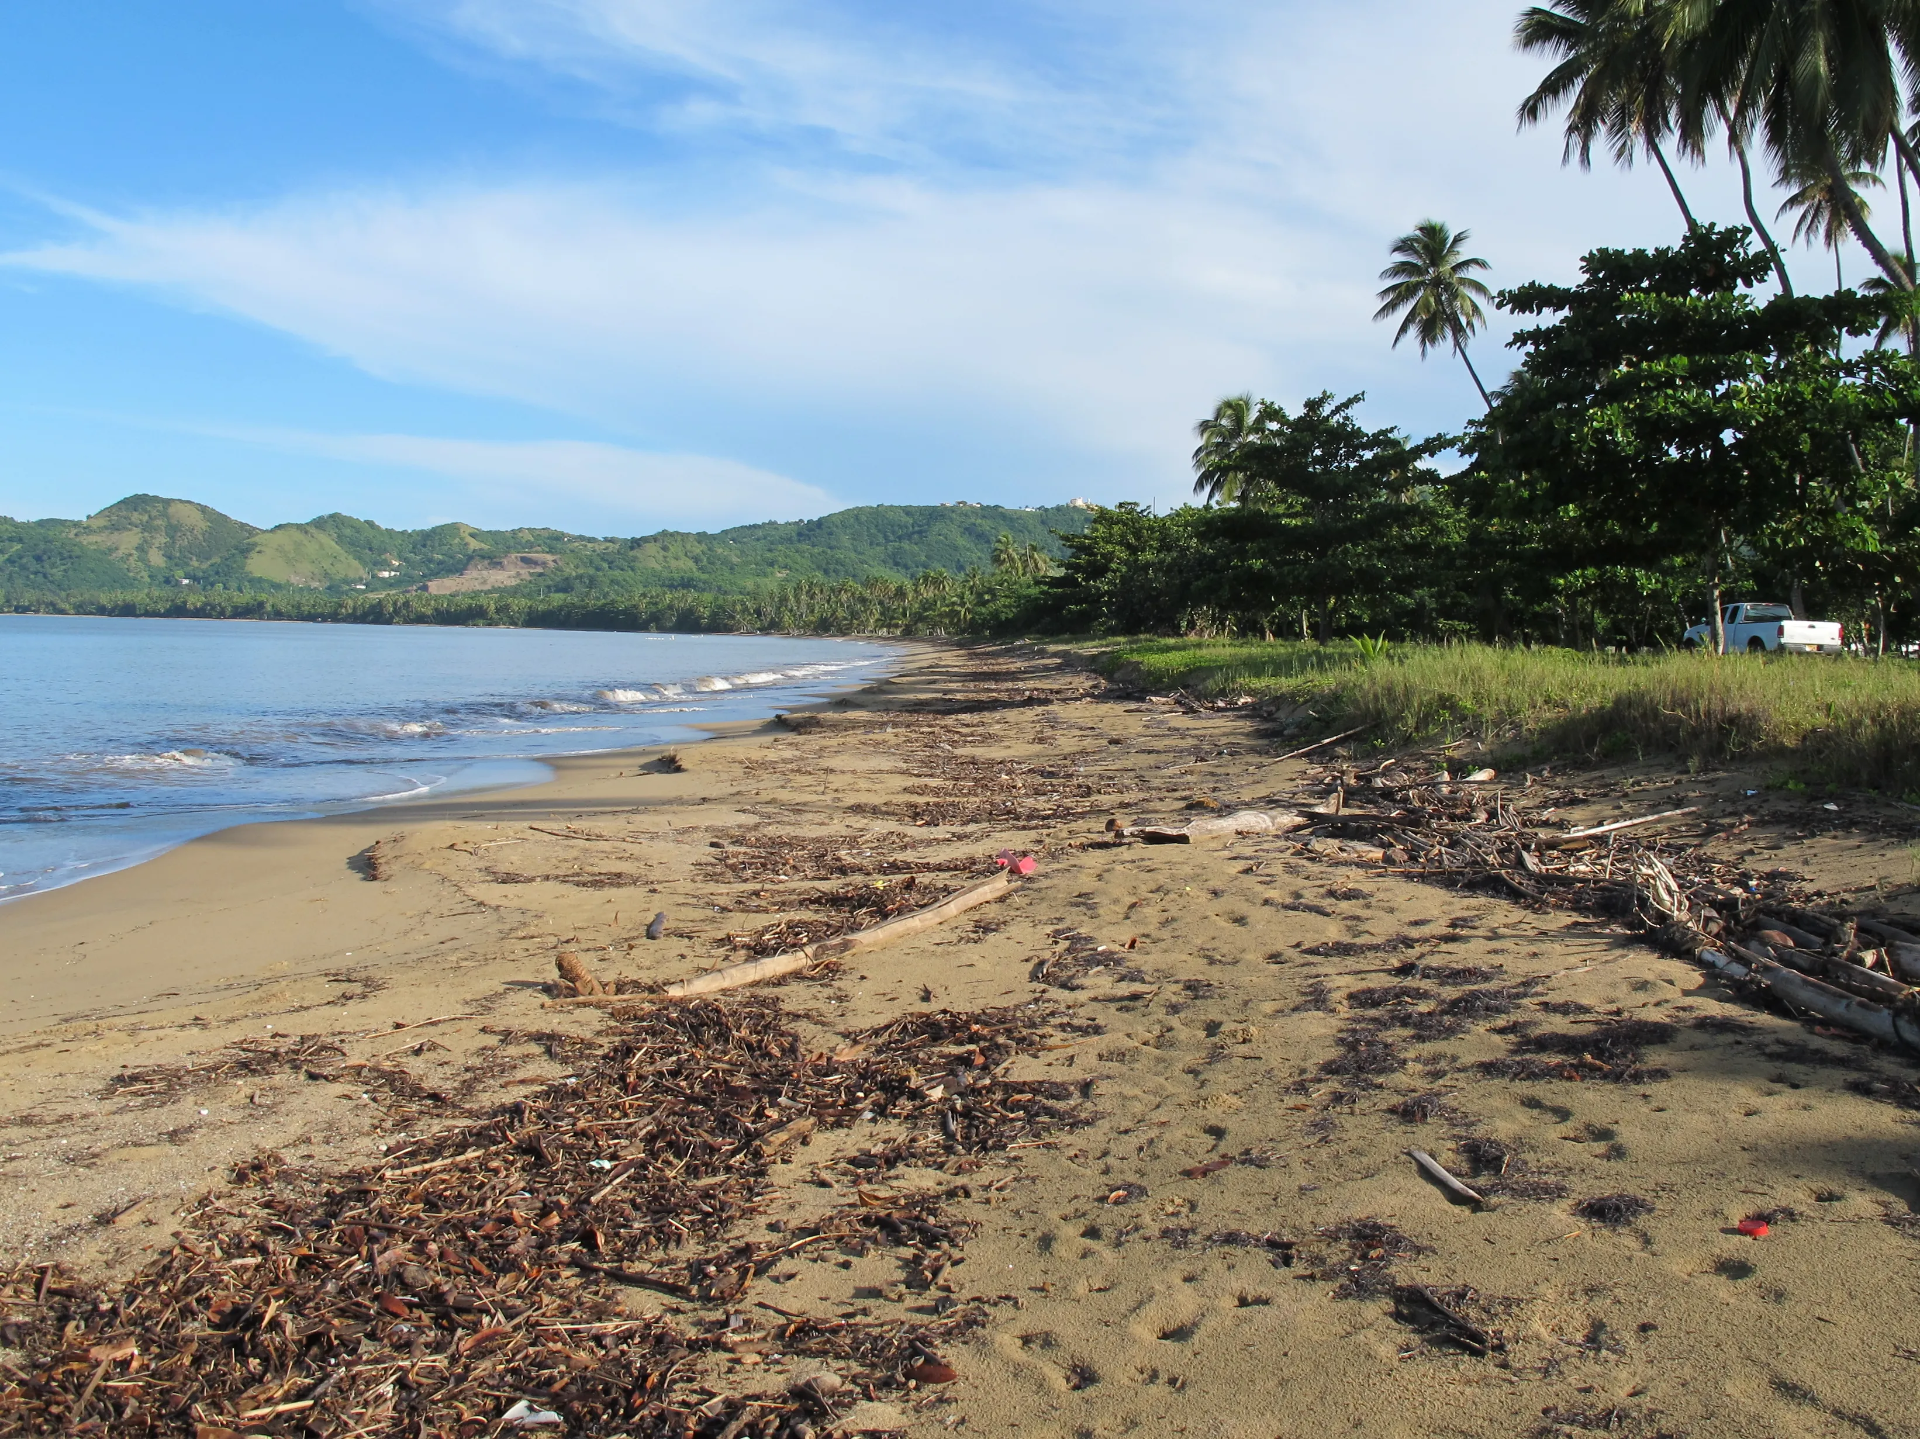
[[1756, 646], [1689, 645]]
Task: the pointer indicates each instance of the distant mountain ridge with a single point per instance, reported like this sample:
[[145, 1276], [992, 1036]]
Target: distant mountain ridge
[[150, 541]]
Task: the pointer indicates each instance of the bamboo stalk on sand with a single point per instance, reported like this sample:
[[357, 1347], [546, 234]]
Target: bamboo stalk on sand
[[753, 971]]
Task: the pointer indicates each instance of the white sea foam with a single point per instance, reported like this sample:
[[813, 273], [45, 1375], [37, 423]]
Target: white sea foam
[[173, 759], [414, 793], [716, 684]]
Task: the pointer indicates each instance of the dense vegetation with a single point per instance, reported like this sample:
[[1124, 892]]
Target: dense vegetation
[[933, 603], [1667, 439], [148, 542]]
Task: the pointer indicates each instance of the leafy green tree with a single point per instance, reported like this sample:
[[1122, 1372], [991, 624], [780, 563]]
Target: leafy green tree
[[1663, 417], [1340, 510], [1130, 572], [1432, 286]]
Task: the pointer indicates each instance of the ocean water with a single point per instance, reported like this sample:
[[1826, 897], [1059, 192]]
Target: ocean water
[[120, 738]]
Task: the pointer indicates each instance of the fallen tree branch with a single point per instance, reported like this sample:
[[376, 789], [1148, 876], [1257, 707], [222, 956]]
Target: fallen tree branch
[[1323, 743], [753, 971], [1859, 1015], [1622, 824]]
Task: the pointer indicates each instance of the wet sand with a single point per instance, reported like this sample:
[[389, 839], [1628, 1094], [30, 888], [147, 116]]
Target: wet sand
[[1136, 1282]]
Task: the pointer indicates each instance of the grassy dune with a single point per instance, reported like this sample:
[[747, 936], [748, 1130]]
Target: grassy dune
[[1840, 721]]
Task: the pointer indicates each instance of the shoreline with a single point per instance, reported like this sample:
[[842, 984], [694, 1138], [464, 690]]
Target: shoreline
[[198, 874], [1226, 1224], [243, 816]]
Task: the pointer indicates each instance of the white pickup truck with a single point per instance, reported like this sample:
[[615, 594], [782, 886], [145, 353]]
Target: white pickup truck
[[1754, 628]]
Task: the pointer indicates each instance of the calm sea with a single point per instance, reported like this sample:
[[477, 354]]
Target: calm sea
[[121, 738]]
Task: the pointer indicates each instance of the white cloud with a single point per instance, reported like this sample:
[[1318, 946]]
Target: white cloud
[[963, 84], [891, 334], [666, 490]]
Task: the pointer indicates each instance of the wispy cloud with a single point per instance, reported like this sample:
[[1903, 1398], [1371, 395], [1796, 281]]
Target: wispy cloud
[[1004, 84], [665, 490]]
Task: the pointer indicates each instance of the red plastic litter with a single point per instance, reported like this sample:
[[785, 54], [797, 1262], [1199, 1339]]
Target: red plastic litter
[[1023, 865], [1753, 1228]]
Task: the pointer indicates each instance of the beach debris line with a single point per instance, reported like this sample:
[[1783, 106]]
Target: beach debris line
[[1855, 970], [477, 1274], [753, 971]]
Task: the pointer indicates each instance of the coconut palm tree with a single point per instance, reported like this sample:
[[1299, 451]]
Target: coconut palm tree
[[1615, 76], [1432, 285], [1223, 438], [1822, 217], [1901, 313], [1818, 81]]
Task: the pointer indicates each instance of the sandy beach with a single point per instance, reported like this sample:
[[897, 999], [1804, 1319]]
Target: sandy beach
[[1219, 1236]]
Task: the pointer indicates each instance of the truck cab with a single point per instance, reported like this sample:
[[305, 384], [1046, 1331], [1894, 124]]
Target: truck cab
[[1756, 628]]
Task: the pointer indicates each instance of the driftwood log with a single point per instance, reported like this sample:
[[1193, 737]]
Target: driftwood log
[[1830, 1003], [753, 971], [1246, 821]]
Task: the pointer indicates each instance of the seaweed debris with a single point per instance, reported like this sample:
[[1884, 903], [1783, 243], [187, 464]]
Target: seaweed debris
[[1608, 1052], [479, 1273], [1614, 1210]]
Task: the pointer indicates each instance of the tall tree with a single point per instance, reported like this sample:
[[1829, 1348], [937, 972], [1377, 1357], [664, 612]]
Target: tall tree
[[1664, 418], [1344, 511], [1432, 286], [1817, 80], [1615, 76], [1821, 213]]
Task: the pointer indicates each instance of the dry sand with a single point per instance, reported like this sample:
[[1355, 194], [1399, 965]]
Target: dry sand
[[1127, 1296]]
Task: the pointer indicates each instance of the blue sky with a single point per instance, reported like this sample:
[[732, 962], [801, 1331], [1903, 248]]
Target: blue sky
[[619, 265]]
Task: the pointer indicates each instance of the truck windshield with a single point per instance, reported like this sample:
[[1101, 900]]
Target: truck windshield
[[1769, 612]]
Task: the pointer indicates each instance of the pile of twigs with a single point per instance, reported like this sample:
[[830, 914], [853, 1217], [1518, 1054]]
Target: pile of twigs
[[1854, 969], [474, 1278]]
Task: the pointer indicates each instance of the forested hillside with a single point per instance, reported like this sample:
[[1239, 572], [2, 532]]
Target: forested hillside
[[148, 541]]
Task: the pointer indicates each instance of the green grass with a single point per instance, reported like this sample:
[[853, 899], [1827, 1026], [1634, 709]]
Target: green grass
[[1838, 721]]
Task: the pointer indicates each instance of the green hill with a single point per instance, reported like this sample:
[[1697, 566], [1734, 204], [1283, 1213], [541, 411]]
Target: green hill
[[148, 541], [162, 539]]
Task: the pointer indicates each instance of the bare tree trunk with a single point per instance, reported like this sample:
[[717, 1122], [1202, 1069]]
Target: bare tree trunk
[[1460, 348], [1857, 222], [1679, 199], [1906, 213], [1760, 229], [1719, 616], [1325, 626], [1797, 599]]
